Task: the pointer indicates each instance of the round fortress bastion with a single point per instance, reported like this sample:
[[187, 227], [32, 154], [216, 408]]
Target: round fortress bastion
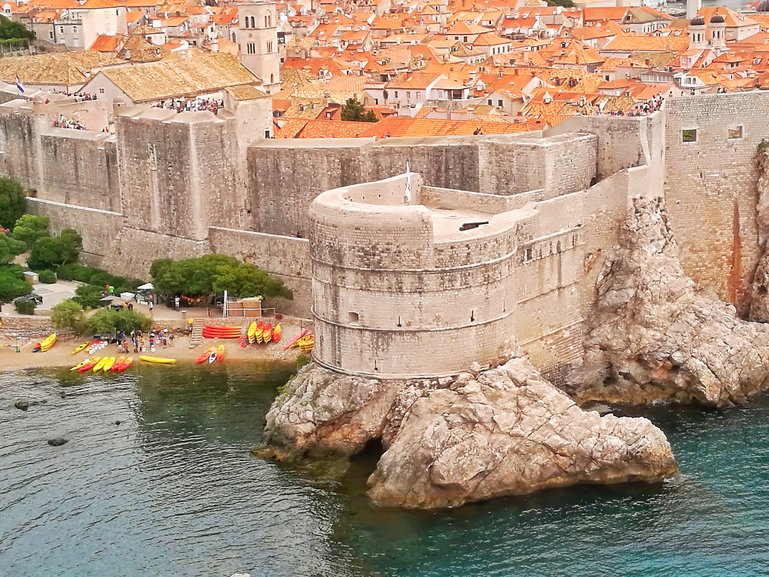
[[403, 288]]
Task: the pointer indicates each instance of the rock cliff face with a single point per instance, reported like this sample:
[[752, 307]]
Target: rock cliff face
[[759, 297], [507, 431], [449, 441], [652, 337]]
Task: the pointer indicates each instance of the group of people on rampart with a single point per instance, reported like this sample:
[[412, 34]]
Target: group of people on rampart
[[191, 104]]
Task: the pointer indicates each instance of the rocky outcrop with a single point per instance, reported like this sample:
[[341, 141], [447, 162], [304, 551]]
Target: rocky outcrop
[[653, 337], [485, 433], [323, 413], [508, 431]]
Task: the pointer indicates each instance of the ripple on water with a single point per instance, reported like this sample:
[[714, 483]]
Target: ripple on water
[[173, 491]]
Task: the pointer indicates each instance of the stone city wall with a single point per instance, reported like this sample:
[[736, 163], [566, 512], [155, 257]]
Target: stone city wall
[[300, 170], [710, 187], [99, 228], [79, 167]]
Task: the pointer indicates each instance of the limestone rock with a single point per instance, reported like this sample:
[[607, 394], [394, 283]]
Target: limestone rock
[[21, 405], [57, 442], [327, 413], [508, 431], [759, 294], [653, 337]]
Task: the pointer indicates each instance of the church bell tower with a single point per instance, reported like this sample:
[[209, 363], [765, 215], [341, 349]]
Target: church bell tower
[[258, 41]]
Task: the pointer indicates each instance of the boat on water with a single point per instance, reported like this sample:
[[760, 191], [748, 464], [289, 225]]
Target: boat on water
[[157, 360]]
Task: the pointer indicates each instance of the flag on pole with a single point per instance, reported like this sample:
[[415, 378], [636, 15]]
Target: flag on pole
[[19, 85], [407, 192]]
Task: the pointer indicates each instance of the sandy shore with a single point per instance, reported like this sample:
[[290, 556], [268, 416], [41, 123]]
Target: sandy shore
[[60, 355]]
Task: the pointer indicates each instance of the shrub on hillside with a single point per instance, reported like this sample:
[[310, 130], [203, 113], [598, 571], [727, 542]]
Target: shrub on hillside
[[12, 283], [88, 296], [46, 276], [9, 248], [107, 321], [68, 314], [25, 307], [55, 251], [97, 277]]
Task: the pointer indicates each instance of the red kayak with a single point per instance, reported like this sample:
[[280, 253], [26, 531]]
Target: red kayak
[[204, 355]]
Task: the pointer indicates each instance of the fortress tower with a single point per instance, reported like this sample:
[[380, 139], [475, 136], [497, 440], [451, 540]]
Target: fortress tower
[[258, 41], [401, 287]]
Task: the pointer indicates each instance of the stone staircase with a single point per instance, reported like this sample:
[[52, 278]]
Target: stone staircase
[[197, 332]]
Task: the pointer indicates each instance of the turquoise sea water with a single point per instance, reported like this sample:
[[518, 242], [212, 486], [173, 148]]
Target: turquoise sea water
[[173, 491]]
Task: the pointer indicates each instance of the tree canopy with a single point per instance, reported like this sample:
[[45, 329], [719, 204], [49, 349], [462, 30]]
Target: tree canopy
[[13, 30], [354, 110], [13, 202], [108, 321], [12, 283], [56, 251], [212, 274], [28, 228], [9, 248]]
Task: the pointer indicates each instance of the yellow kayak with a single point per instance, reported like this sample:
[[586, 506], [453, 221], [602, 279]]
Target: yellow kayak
[[100, 365], [79, 348], [157, 360], [251, 334], [81, 364], [45, 344], [108, 365]]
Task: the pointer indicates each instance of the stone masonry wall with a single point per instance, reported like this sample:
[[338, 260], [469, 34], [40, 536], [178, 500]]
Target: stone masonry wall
[[287, 175], [99, 228], [80, 167], [710, 187]]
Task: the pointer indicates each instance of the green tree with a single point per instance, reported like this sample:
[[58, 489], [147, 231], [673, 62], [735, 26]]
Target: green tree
[[214, 273], [46, 252], [564, 3], [68, 314], [108, 321], [29, 228], [10, 29], [55, 251], [353, 110], [13, 202], [9, 248], [12, 283], [88, 296], [71, 243]]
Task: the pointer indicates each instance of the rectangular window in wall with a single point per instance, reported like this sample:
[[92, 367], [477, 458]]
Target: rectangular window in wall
[[689, 135], [735, 132]]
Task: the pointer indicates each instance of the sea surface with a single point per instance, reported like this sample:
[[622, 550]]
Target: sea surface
[[172, 490]]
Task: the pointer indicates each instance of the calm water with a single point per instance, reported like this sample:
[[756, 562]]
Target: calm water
[[172, 490]]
